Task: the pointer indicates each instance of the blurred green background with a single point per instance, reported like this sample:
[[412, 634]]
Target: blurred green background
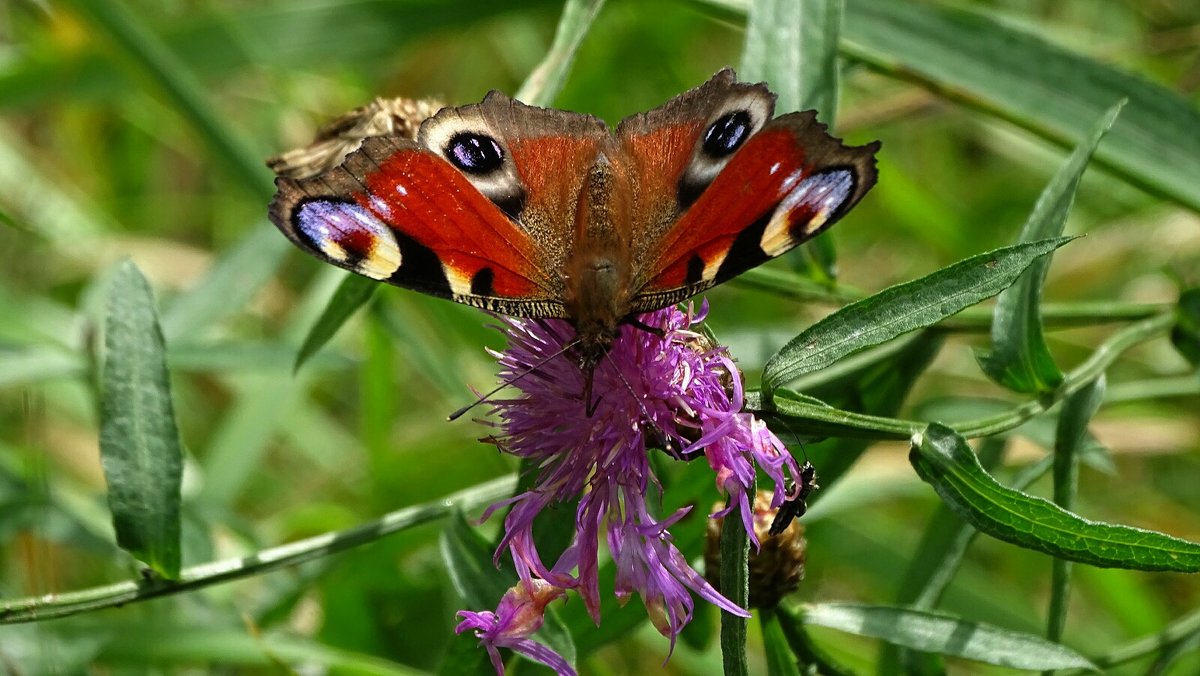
[[103, 155]]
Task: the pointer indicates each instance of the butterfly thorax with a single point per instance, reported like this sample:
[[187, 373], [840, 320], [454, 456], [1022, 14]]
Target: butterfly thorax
[[598, 273]]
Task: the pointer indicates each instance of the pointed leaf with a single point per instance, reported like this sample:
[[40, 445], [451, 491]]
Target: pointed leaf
[[792, 44], [902, 308], [1020, 359], [354, 292], [1077, 411], [468, 559], [946, 635], [140, 448], [943, 459], [228, 286]]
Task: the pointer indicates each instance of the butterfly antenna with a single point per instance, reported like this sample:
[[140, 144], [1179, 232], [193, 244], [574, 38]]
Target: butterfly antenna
[[642, 405], [463, 411]]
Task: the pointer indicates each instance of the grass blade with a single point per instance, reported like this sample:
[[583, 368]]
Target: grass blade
[[354, 292], [182, 89], [992, 66], [1077, 411], [792, 44], [1020, 359]]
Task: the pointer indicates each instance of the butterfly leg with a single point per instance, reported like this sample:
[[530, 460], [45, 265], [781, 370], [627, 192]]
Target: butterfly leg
[[639, 324], [589, 405]]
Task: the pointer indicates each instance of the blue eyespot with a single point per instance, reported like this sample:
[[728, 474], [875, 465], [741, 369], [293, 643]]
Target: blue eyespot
[[727, 134], [474, 153]]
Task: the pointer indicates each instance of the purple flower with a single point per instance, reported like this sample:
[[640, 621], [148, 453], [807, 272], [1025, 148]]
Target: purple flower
[[676, 391], [520, 614]]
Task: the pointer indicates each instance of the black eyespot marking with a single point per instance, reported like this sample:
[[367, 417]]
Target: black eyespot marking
[[481, 283], [746, 251], [511, 204], [421, 269], [695, 271], [474, 153], [727, 134], [689, 191]]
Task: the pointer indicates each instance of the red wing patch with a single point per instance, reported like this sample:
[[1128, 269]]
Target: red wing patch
[[401, 215]]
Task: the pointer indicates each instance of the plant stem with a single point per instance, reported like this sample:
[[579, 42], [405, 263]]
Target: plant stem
[[50, 606], [834, 421]]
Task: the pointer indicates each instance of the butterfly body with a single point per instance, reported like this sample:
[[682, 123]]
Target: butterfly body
[[535, 212]]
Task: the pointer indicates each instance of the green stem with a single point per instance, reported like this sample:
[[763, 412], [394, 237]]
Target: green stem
[[1180, 630], [50, 606], [735, 577], [832, 421], [1080, 377]]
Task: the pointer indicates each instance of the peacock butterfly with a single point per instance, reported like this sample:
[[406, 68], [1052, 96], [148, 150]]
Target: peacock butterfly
[[533, 212]]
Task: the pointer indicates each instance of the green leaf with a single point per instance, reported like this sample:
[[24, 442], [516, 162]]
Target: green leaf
[[875, 381], [139, 442], [990, 65], [546, 81], [772, 50], [812, 657], [936, 561], [735, 580], [792, 44], [468, 560], [354, 292], [902, 308], [1020, 359], [941, 547], [780, 659], [943, 459], [946, 635], [1185, 335]]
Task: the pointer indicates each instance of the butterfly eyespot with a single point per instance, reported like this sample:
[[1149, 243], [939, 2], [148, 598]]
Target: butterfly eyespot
[[474, 153], [727, 134]]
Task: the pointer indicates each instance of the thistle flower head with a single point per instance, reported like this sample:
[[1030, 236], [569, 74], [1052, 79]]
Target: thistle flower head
[[673, 389]]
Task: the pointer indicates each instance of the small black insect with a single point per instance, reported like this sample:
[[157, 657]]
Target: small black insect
[[796, 507]]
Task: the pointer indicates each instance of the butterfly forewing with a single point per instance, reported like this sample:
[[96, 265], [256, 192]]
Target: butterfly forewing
[[783, 186]]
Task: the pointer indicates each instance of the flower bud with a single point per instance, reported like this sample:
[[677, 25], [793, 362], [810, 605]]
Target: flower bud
[[776, 568]]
